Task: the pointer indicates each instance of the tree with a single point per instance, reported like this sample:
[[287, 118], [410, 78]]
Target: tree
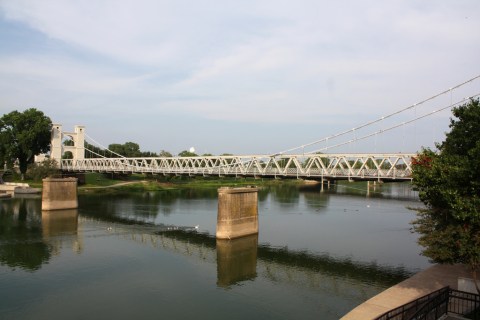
[[186, 153], [165, 154], [117, 148], [44, 169], [130, 150], [24, 135], [93, 151], [449, 185]]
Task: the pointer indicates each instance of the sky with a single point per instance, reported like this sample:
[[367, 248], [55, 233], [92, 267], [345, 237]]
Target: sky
[[241, 77]]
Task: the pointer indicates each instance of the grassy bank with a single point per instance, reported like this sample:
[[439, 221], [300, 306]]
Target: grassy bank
[[97, 182], [132, 183]]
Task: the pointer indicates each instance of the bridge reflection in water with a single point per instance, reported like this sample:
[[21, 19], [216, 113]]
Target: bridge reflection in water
[[245, 260], [237, 261]]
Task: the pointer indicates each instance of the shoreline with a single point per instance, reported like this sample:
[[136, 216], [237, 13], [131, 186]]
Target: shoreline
[[418, 285]]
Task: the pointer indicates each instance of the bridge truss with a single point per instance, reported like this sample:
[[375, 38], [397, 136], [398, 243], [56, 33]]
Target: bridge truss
[[385, 167]]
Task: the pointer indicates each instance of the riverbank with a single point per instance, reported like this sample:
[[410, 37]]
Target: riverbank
[[95, 182], [420, 284]]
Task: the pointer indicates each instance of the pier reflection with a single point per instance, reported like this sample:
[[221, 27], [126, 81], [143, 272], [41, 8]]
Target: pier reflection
[[59, 223], [236, 260]]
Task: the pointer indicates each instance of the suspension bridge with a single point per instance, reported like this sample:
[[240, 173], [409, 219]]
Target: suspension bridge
[[307, 161]]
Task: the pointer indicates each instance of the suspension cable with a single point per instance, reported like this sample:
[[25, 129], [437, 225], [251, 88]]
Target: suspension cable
[[379, 119], [105, 148], [97, 154], [396, 126]]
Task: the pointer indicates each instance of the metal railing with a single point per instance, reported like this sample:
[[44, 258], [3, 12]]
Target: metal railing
[[436, 304], [317, 166]]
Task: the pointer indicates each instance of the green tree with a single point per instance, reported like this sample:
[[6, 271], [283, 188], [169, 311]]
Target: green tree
[[93, 151], [186, 153], [449, 185], [165, 154], [44, 169], [148, 154], [24, 135], [117, 148], [130, 150]]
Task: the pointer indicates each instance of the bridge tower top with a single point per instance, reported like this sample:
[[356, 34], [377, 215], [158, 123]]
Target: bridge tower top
[[57, 147]]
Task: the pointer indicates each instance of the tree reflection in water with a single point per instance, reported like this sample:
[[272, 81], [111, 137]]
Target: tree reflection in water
[[21, 243]]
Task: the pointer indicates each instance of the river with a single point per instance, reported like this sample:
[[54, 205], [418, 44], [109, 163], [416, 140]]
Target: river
[[153, 255]]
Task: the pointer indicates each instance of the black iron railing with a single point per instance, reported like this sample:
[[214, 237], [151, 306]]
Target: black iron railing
[[435, 304], [464, 303]]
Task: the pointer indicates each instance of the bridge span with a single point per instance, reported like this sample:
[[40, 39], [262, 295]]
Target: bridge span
[[381, 167], [286, 164], [314, 166]]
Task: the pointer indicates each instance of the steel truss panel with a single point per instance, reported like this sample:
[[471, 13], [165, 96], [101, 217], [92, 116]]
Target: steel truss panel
[[305, 166]]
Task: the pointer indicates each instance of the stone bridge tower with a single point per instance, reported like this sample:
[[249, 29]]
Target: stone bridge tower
[[57, 147]]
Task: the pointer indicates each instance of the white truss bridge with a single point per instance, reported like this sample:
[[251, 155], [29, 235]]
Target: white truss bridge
[[385, 167], [316, 164]]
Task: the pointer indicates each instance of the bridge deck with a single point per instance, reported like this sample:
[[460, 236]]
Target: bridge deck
[[388, 167]]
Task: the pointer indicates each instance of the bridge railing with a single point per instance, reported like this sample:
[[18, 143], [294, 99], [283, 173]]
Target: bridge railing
[[317, 166]]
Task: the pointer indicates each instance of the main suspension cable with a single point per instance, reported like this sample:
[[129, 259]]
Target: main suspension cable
[[379, 119], [105, 148], [395, 126]]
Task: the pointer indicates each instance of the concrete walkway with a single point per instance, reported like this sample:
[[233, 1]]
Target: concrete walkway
[[420, 284]]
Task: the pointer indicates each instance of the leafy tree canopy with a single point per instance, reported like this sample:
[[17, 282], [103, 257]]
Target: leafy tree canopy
[[165, 154], [130, 150], [186, 153], [449, 185], [24, 135]]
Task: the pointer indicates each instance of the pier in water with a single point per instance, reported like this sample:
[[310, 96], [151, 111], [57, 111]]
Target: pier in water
[[152, 255]]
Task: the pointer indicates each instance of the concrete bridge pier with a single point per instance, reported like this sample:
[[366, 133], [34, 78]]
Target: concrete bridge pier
[[237, 212], [327, 183], [59, 194]]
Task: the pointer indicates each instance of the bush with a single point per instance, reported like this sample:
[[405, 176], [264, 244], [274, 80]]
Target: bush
[[44, 169]]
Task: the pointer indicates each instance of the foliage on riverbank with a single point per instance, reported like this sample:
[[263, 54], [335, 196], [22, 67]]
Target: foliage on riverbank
[[448, 182], [135, 183], [98, 182]]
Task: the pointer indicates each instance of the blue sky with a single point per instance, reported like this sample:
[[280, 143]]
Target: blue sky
[[236, 76]]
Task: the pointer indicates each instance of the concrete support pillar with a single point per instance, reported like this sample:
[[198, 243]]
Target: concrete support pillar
[[59, 194], [79, 143], [237, 212], [56, 147], [236, 260]]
